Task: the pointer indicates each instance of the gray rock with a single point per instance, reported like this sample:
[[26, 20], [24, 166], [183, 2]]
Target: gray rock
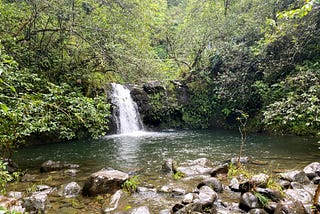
[[71, 190], [45, 189], [104, 181], [207, 196], [298, 176], [214, 183], [16, 195], [140, 210], [71, 172], [50, 165], [166, 211], [188, 198], [260, 180], [195, 170], [249, 201], [284, 184], [38, 202], [114, 202], [299, 194], [234, 185], [312, 170], [243, 160], [290, 207], [193, 208]]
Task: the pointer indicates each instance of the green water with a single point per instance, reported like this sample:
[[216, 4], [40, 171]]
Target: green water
[[147, 151], [144, 153]]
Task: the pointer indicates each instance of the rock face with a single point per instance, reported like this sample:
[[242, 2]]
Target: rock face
[[104, 181], [50, 165]]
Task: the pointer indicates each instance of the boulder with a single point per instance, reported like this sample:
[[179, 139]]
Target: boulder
[[188, 198], [11, 166], [249, 201], [214, 183], [290, 207], [207, 196], [38, 202], [234, 185], [312, 170], [298, 176], [104, 181], [71, 190], [50, 165], [299, 195]]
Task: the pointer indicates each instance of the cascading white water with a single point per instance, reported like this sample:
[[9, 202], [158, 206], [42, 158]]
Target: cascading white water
[[128, 117]]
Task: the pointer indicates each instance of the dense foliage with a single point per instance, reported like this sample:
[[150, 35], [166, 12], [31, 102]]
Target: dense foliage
[[259, 57]]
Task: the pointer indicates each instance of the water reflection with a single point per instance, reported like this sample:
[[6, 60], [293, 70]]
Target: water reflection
[[147, 150]]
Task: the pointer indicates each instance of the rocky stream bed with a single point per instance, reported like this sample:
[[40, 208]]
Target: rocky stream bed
[[194, 186]]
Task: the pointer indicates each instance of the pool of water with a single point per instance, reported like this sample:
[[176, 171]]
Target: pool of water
[[147, 150], [144, 152]]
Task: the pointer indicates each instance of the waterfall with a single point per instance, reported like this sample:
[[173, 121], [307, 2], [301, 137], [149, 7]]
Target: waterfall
[[127, 115]]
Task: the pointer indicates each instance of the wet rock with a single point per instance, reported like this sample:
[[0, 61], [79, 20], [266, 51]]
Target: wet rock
[[196, 167], [258, 211], [298, 176], [178, 191], [194, 170], [71, 172], [312, 170], [140, 210], [214, 183], [141, 98], [38, 202], [299, 194], [290, 207], [207, 196], [114, 202], [221, 170], [50, 165], [71, 190], [169, 166], [249, 201], [104, 181]]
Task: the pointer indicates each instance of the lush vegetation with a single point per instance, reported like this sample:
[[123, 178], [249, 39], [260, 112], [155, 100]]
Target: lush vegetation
[[259, 57]]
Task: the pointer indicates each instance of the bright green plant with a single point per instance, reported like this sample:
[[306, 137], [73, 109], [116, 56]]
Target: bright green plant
[[5, 177], [131, 184], [178, 175], [262, 198]]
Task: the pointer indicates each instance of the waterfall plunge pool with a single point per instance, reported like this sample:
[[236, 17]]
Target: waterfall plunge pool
[[148, 150], [143, 153]]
